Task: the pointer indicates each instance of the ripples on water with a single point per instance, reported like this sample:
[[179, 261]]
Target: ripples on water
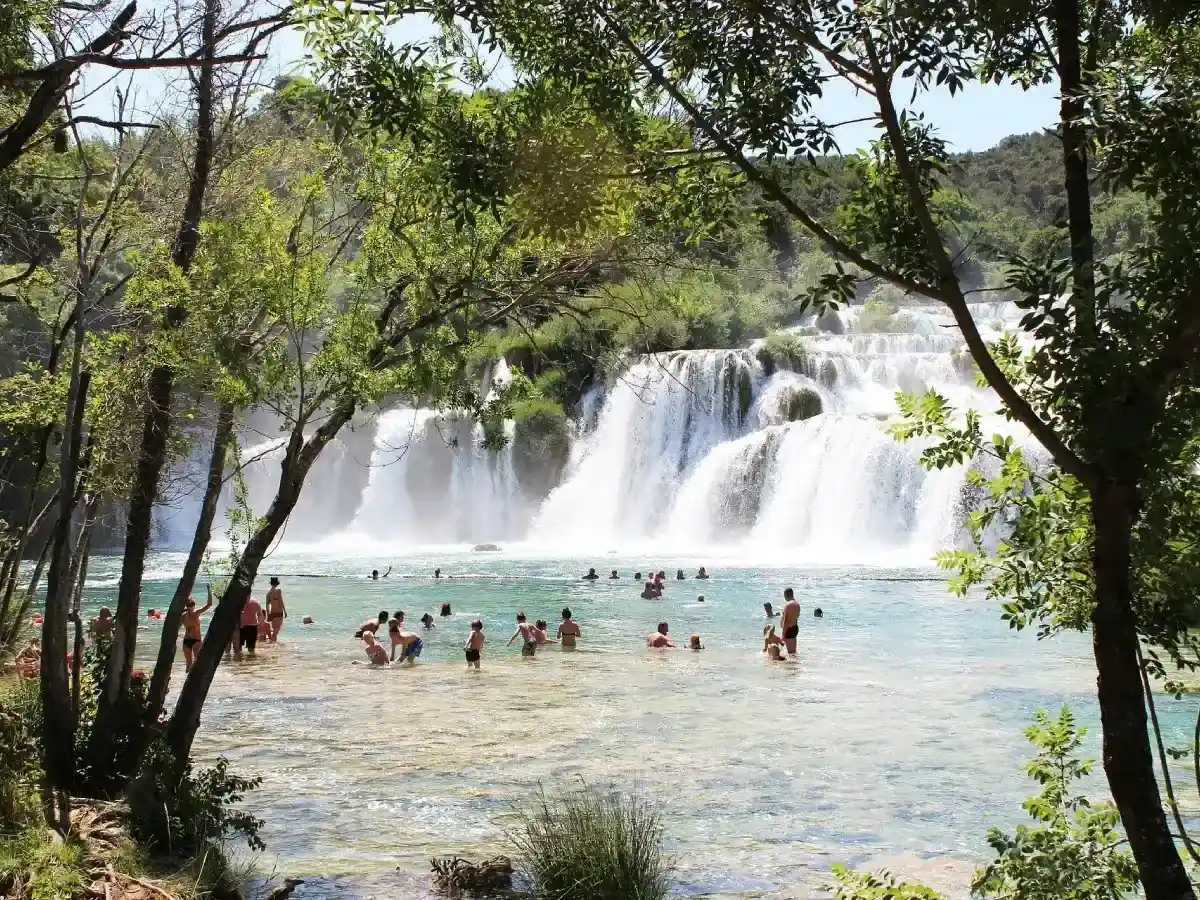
[[897, 738]]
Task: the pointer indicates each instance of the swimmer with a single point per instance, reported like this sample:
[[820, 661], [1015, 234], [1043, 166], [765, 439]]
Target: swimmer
[[375, 573], [445, 610], [437, 573], [375, 652], [306, 620], [637, 576], [702, 574], [102, 625], [658, 639], [790, 620], [539, 633], [679, 576], [694, 643], [700, 599], [411, 646], [473, 648], [649, 592], [427, 621], [276, 609], [252, 617], [817, 614], [591, 575], [191, 629], [525, 631], [772, 643], [769, 610], [614, 576], [568, 630]]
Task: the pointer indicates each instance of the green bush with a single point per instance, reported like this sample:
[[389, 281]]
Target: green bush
[[179, 813], [877, 317], [19, 715], [800, 404], [41, 869], [589, 845], [1072, 852], [783, 350], [541, 445]]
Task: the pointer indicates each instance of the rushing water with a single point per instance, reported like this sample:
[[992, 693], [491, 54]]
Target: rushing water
[[896, 741]]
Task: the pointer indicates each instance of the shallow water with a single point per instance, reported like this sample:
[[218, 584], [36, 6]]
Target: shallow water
[[896, 739]]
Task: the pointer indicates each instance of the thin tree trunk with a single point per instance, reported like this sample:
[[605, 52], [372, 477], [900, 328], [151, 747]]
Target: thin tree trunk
[[82, 553], [13, 625], [1128, 761], [156, 423], [300, 456], [58, 725], [161, 680]]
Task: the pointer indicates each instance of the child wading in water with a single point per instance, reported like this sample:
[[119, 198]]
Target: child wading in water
[[473, 648], [772, 643], [375, 652]]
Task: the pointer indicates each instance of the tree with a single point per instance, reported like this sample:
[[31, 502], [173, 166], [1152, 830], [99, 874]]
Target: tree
[[743, 77]]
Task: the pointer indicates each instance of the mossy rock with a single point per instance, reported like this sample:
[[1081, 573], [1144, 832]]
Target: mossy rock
[[745, 394], [541, 445], [831, 323], [828, 373], [800, 404], [783, 350]]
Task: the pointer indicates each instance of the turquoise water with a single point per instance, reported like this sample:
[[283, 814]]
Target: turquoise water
[[895, 741]]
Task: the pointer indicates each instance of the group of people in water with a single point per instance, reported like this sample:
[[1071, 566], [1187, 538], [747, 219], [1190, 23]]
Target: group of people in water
[[265, 621]]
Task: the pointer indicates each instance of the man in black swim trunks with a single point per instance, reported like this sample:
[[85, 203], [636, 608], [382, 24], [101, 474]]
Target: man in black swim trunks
[[789, 621]]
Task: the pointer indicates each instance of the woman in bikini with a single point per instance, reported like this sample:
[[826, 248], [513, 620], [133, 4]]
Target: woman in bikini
[[191, 629], [276, 610]]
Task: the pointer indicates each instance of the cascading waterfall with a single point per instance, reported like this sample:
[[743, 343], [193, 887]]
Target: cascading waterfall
[[685, 451]]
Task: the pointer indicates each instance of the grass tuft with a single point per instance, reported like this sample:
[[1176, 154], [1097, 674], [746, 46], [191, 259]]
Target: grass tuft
[[586, 844]]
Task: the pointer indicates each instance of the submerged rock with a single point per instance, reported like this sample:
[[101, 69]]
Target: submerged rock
[[486, 548], [452, 875], [828, 373]]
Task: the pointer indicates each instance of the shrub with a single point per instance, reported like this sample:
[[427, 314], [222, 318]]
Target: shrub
[[800, 404], [782, 350], [19, 715], [589, 845], [176, 812], [41, 869], [877, 317], [1073, 852], [541, 444]]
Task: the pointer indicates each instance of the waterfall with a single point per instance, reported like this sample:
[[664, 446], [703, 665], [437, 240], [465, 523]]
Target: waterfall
[[686, 450]]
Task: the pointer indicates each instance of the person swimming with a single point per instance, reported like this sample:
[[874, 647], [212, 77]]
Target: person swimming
[[437, 573], [694, 643], [445, 611], [102, 625], [526, 632], [658, 638], [591, 575], [817, 614], [614, 575], [700, 599], [769, 610], [702, 574], [375, 573], [637, 576], [679, 576], [473, 648], [649, 592], [427, 621]]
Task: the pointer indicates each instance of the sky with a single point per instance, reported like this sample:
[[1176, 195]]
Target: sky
[[976, 118]]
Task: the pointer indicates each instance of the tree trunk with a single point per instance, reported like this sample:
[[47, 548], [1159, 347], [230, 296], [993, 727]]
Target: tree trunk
[[58, 724], [156, 425], [161, 680], [298, 460], [1128, 761], [13, 625]]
